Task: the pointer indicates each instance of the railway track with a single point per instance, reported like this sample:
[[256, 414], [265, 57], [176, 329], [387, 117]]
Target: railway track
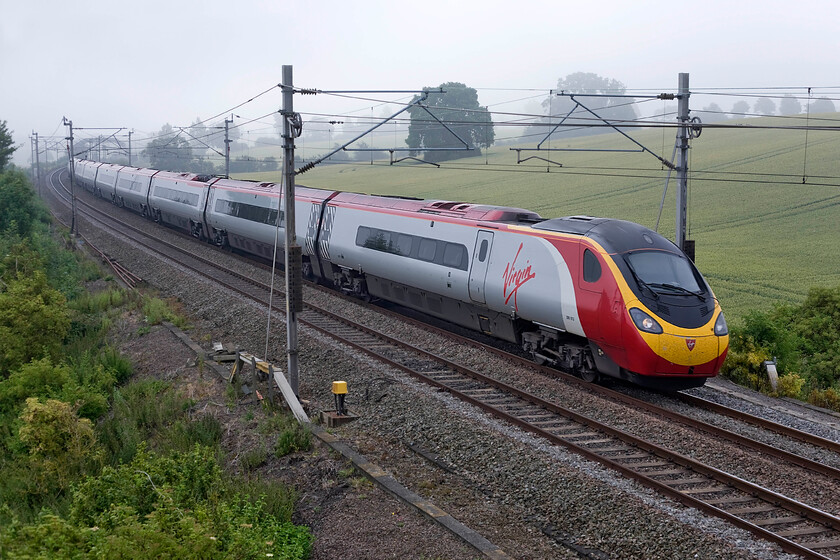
[[795, 526]]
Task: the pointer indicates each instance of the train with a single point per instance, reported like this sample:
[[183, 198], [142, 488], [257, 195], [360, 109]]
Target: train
[[600, 297]]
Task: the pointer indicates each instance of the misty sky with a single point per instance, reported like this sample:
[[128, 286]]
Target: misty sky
[[145, 63]]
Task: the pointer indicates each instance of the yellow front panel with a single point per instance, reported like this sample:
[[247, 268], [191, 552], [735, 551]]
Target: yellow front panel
[[677, 349]]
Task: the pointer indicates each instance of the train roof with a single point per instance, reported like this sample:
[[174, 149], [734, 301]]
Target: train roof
[[443, 208], [615, 236]]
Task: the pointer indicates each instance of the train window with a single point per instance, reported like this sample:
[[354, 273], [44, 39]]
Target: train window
[[453, 255], [403, 245], [427, 249], [362, 235], [250, 212], [482, 251], [591, 267], [664, 269], [177, 196]]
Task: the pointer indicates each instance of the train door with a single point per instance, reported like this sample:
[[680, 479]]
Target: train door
[[478, 270]]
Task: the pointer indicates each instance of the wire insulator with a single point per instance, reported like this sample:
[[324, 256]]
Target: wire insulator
[[306, 168]]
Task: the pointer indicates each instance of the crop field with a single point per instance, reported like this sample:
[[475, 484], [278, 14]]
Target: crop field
[[762, 236]]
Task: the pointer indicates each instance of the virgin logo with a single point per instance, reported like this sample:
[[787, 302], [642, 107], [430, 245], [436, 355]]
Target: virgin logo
[[515, 277], [690, 342]]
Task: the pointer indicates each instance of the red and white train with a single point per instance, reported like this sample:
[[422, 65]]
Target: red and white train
[[593, 295]]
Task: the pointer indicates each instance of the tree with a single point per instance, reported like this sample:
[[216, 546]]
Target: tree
[[459, 110], [7, 145], [170, 151], [790, 105], [765, 106], [822, 105], [610, 108], [33, 319], [740, 108], [17, 204], [713, 113]]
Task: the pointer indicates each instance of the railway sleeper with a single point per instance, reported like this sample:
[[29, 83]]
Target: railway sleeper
[[759, 508], [805, 531], [778, 521]]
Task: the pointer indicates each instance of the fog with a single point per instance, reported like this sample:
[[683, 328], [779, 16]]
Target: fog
[[138, 66]]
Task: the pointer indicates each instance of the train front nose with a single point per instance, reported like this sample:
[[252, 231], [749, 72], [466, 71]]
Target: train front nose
[[679, 351], [686, 351]]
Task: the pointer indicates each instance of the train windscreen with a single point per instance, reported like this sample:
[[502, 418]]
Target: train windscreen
[[664, 271]]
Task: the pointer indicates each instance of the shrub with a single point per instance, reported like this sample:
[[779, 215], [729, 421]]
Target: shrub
[[825, 398], [790, 385], [61, 445], [293, 438], [115, 363], [33, 321]]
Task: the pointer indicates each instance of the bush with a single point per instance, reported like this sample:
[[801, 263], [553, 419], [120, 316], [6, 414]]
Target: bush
[[803, 339], [156, 311], [827, 398], [139, 410], [33, 321], [293, 438], [61, 445], [790, 385]]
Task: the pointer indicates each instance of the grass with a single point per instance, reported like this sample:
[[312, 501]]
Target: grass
[[762, 236]]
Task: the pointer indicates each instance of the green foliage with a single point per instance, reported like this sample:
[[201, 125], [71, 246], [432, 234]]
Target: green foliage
[[804, 339], [816, 324], [99, 302], [160, 507], [791, 385], [7, 145], [115, 363], [292, 438], [825, 398], [743, 364], [139, 411], [254, 458], [169, 151], [17, 203], [85, 383], [205, 430], [33, 320], [459, 110], [156, 311], [61, 445]]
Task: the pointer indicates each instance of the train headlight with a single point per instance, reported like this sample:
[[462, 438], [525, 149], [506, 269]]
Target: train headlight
[[645, 322], [720, 326]]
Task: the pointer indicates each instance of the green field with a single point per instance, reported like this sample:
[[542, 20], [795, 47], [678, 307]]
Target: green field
[[762, 237]]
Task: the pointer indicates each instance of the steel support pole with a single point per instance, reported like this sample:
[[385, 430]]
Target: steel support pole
[[682, 167], [72, 167], [129, 147], [32, 155], [294, 289], [37, 164], [227, 149]]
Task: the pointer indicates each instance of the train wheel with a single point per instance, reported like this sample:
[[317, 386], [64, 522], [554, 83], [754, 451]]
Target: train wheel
[[590, 375]]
